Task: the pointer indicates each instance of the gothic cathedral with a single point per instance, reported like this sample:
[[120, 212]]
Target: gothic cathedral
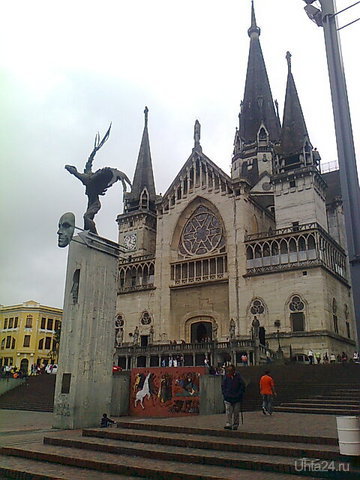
[[253, 263]]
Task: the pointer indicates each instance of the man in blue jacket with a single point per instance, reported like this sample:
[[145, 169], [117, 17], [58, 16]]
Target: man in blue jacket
[[233, 388]]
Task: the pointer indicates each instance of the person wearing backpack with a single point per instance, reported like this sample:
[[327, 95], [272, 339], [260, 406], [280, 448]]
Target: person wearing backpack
[[233, 388]]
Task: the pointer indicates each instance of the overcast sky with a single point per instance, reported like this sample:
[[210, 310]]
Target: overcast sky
[[70, 68]]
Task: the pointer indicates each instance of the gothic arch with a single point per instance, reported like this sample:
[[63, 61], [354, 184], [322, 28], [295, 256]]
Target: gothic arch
[[199, 316], [296, 303], [258, 308]]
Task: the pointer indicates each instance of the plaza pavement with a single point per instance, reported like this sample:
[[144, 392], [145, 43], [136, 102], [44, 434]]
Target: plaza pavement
[[21, 427]]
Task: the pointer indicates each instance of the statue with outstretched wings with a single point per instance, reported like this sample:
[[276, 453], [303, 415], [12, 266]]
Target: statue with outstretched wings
[[97, 183]]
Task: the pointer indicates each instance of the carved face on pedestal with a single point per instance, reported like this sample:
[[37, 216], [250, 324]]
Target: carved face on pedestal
[[66, 229]]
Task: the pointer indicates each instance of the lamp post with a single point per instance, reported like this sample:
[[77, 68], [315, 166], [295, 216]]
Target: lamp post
[[277, 324], [327, 18]]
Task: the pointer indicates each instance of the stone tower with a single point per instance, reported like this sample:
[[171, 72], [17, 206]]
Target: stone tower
[[137, 225], [259, 125], [298, 186]]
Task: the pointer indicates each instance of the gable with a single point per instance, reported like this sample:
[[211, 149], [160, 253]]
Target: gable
[[198, 172]]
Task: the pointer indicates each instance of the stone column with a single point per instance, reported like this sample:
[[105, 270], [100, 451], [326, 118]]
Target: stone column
[[84, 378]]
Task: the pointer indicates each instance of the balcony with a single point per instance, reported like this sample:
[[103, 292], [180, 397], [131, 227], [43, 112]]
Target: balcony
[[300, 246]]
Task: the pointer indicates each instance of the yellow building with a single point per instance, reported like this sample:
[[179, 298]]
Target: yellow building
[[28, 335]]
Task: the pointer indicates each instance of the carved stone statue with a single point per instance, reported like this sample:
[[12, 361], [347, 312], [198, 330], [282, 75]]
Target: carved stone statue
[[66, 229], [151, 334], [136, 336], [97, 183], [214, 332], [119, 331], [232, 329], [119, 337], [255, 325]]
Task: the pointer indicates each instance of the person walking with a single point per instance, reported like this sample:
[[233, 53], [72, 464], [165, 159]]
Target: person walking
[[267, 391], [233, 388]]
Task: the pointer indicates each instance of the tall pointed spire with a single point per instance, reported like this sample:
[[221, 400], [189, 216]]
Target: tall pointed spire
[[258, 106], [294, 133], [143, 193], [254, 29]]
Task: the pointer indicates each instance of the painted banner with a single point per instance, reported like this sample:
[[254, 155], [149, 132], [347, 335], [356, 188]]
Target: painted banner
[[165, 391]]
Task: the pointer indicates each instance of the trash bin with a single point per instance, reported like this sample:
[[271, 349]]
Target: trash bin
[[349, 435]]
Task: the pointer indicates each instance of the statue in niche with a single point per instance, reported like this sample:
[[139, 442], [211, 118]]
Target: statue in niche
[[136, 336], [97, 183], [232, 329]]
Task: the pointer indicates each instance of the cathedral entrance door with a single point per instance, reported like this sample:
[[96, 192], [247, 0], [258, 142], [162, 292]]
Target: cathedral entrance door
[[201, 332]]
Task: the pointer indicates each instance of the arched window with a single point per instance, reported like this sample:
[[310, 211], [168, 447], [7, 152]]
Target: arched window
[[249, 253], [28, 322], [335, 318], [144, 199], [297, 315]]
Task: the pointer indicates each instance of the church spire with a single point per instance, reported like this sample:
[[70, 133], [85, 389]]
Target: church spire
[[143, 193], [294, 133], [295, 149], [258, 106], [254, 29]]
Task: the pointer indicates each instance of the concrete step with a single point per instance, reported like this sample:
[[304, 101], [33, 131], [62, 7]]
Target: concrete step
[[327, 400], [323, 405], [269, 437], [152, 444], [153, 469], [317, 410], [26, 469]]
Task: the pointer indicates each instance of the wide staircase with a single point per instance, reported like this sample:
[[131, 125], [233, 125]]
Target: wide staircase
[[36, 394], [163, 452], [300, 388], [323, 389]]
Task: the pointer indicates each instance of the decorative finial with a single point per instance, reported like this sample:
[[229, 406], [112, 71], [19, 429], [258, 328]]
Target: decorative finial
[[254, 29], [197, 132], [146, 111], [197, 129], [288, 59]]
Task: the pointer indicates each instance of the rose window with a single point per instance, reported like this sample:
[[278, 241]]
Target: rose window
[[257, 308], [202, 234]]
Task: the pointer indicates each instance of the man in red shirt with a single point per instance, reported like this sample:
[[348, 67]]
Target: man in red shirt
[[267, 391]]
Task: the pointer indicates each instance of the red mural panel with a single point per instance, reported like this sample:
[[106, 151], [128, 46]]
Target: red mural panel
[[165, 392]]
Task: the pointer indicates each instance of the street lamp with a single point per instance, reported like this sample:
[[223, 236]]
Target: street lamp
[[277, 325], [327, 18]]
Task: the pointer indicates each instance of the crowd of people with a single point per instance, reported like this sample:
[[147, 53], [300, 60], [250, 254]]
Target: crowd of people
[[317, 358]]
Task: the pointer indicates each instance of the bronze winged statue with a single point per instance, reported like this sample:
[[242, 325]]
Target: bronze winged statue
[[97, 183]]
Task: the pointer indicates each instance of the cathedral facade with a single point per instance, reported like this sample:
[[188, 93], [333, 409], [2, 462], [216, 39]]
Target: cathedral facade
[[252, 263]]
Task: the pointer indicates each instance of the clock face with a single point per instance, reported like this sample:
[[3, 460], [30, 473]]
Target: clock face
[[130, 241]]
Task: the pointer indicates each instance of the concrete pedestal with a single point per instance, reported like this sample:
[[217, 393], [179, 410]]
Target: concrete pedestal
[[84, 378]]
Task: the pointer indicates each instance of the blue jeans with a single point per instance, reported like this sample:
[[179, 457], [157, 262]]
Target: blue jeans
[[267, 402]]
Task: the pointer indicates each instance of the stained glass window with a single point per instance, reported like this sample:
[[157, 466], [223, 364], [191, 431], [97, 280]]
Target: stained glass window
[[202, 234]]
